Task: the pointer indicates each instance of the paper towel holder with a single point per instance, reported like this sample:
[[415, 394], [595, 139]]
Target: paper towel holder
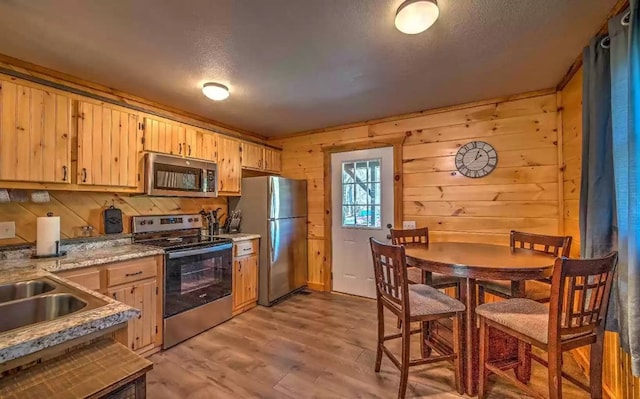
[[58, 254]]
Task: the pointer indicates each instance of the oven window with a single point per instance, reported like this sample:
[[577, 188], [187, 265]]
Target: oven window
[[202, 274], [170, 177], [195, 280]]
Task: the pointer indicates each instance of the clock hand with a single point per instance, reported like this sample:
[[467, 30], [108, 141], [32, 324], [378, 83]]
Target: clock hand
[[477, 155]]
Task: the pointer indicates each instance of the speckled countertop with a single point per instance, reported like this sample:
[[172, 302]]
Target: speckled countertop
[[24, 341], [236, 237]]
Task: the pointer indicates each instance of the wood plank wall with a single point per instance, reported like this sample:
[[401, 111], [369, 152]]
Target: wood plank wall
[[77, 209], [618, 380], [522, 193]]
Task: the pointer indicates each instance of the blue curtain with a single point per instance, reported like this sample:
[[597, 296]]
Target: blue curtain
[[625, 111]]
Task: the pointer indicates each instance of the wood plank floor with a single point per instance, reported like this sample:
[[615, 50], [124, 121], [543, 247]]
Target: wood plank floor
[[310, 346]]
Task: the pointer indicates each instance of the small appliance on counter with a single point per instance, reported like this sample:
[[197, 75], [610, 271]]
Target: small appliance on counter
[[48, 236]]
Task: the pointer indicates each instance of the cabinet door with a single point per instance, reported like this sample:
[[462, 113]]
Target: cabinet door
[[252, 156], [164, 137], [250, 279], [207, 146], [108, 146], [237, 288], [191, 143], [141, 332], [272, 160], [35, 132], [229, 168]]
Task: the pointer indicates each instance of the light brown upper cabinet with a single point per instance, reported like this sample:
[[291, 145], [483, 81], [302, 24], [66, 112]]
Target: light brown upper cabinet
[[108, 145], [252, 156], [229, 166], [272, 160], [165, 137], [207, 146], [35, 134]]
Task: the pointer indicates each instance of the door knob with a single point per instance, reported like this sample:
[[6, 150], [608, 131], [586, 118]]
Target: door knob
[[388, 236], [389, 225]]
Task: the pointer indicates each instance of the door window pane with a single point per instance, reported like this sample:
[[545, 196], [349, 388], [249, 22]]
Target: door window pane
[[361, 194]]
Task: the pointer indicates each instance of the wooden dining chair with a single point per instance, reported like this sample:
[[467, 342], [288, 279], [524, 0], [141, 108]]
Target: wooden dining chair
[[416, 276], [574, 318], [411, 303], [538, 290]]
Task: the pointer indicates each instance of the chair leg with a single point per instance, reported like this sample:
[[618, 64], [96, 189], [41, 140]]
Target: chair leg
[[380, 336], [482, 370], [425, 349], [404, 365], [595, 367], [457, 349], [555, 372]]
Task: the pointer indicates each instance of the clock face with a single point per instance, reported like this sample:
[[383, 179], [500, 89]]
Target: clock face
[[476, 159]]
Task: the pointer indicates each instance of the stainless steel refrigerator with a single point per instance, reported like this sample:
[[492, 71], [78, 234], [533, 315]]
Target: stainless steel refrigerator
[[276, 208]]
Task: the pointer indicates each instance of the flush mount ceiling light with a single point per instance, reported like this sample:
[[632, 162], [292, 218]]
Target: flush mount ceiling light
[[415, 16], [215, 91]]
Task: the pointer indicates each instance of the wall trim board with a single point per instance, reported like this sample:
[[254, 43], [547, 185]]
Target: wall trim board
[[47, 77], [560, 165], [604, 28], [427, 112], [396, 143]]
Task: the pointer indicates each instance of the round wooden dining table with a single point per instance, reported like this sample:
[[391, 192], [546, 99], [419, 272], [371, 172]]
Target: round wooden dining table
[[472, 262]]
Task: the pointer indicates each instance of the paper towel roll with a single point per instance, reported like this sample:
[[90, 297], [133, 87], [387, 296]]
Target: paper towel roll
[[48, 234]]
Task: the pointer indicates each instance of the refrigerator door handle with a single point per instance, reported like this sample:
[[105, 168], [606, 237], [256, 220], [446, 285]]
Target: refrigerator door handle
[[272, 241]]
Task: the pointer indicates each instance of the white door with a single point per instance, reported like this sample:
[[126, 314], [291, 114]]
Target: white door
[[362, 202]]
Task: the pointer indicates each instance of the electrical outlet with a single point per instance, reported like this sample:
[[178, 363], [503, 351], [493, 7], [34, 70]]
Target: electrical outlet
[[7, 230], [408, 224]]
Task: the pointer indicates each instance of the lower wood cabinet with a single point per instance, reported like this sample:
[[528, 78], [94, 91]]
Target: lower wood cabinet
[[245, 276], [136, 283]]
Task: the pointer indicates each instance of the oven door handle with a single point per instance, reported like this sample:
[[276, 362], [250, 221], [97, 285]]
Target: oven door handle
[[199, 251]]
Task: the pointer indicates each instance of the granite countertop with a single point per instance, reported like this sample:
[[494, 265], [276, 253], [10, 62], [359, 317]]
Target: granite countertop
[[24, 341], [236, 237]]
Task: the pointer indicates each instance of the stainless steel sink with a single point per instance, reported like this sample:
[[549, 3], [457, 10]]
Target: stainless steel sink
[[36, 310], [24, 289], [26, 303]]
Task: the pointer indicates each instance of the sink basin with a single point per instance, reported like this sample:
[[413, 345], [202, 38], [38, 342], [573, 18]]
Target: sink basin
[[30, 311], [24, 289]]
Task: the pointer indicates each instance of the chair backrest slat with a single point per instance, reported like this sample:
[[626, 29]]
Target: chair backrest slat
[[390, 271], [580, 291], [410, 237], [552, 245]]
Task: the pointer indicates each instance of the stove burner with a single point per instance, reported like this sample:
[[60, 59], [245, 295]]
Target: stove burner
[[170, 243]]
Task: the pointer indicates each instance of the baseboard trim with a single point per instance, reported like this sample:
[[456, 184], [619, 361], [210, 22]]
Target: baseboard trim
[[315, 286]]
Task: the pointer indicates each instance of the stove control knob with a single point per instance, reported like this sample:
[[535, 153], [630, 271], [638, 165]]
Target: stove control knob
[[150, 222], [143, 222], [196, 219], [190, 220]]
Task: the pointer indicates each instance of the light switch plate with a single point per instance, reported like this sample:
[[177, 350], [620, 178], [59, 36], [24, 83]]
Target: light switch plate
[[7, 230], [408, 224]]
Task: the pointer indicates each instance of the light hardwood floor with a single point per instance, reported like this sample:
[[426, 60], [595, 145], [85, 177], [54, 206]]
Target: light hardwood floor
[[310, 346]]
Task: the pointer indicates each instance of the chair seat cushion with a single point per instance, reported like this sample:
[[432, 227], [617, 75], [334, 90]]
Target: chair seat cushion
[[437, 280], [425, 301], [526, 316], [534, 290]]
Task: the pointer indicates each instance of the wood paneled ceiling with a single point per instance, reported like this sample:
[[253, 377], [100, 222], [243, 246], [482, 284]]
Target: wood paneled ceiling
[[296, 65]]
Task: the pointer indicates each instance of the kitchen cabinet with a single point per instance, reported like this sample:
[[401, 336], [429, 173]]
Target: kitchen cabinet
[[141, 332], [165, 136], [272, 160], [207, 146], [108, 145], [229, 166], [35, 139], [245, 276], [136, 283], [252, 156]]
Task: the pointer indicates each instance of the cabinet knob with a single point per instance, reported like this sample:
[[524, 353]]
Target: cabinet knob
[[64, 173], [179, 148], [84, 175]]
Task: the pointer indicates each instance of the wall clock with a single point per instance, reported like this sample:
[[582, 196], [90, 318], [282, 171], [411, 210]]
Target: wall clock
[[476, 159]]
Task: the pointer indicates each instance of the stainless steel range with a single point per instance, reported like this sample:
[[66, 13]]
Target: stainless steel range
[[197, 273]]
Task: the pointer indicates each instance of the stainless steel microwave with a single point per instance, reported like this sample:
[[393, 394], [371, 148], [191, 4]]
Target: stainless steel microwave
[[171, 176]]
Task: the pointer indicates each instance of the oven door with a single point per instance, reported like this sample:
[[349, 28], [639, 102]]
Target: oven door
[[194, 277]]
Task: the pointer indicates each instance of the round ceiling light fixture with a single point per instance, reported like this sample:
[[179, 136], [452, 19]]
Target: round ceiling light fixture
[[415, 16], [215, 91]]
